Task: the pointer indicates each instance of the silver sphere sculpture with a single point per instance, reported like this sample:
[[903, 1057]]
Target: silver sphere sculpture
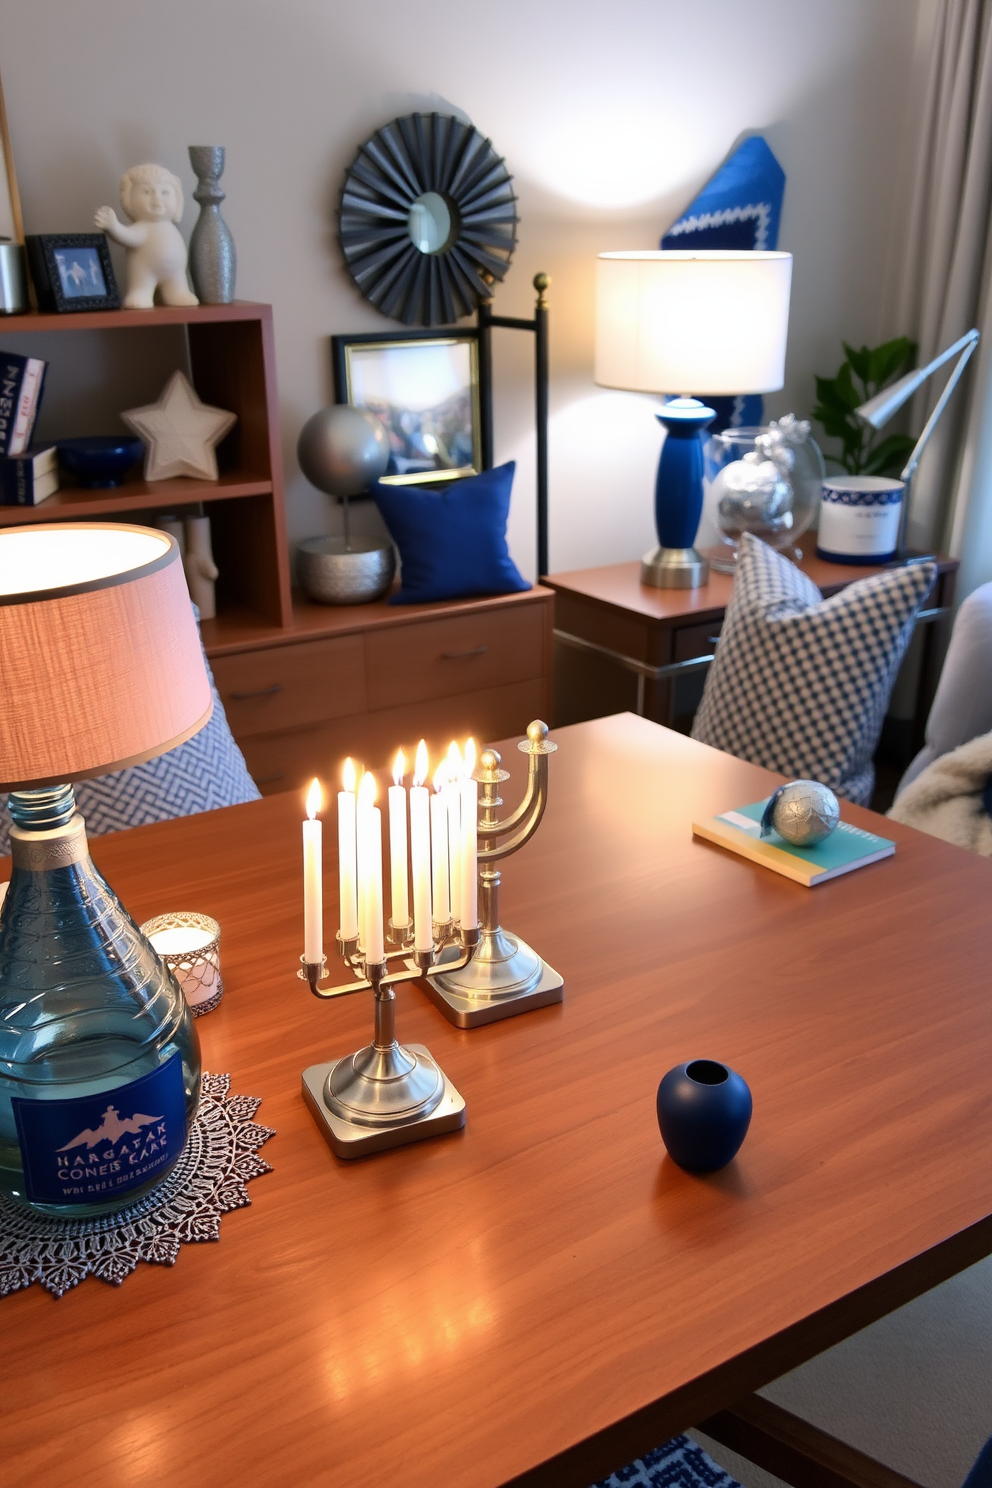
[[342, 450], [803, 813]]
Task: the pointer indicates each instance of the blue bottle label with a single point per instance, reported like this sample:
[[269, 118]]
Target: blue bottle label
[[96, 1147]]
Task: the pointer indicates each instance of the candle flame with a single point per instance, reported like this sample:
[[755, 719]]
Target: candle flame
[[315, 799], [348, 775], [453, 761], [422, 764], [366, 791], [399, 767], [441, 776], [469, 770]]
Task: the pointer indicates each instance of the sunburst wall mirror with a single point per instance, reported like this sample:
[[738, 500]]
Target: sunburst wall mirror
[[428, 220]]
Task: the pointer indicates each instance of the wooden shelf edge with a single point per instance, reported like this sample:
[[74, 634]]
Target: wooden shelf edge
[[242, 630], [73, 501], [160, 315]]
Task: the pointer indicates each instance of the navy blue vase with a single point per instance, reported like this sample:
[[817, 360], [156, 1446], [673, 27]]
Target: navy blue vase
[[704, 1111]]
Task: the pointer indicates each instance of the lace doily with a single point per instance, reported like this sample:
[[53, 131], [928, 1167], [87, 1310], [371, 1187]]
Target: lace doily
[[220, 1156]]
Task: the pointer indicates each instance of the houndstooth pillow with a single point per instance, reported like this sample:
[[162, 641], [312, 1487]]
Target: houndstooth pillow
[[679, 1463], [800, 683], [206, 772]]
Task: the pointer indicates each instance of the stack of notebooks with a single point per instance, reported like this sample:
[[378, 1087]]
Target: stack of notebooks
[[28, 474], [844, 850]]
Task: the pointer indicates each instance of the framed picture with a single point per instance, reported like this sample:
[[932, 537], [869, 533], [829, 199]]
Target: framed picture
[[424, 390], [72, 271]]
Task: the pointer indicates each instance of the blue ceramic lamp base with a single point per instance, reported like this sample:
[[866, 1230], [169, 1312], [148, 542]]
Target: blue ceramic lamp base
[[678, 501]]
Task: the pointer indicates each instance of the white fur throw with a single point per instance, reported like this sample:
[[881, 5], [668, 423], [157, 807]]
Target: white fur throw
[[946, 800]]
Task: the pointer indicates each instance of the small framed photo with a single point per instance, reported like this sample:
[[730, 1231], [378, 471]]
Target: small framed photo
[[424, 390], [72, 271]]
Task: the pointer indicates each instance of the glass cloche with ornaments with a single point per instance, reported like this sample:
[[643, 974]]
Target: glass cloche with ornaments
[[764, 480]]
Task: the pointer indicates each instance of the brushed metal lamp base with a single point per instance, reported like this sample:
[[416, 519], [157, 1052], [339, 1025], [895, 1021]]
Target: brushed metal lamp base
[[674, 568], [381, 1098]]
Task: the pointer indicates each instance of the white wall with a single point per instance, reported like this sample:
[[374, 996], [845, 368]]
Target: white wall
[[610, 115]]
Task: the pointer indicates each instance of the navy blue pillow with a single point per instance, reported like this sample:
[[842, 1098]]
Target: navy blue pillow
[[452, 542]]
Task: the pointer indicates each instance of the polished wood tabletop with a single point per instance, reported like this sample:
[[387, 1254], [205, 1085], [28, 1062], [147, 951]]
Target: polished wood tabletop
[[545, 1294]]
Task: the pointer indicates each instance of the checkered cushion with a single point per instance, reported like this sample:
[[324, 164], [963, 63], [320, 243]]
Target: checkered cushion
[[679, 1463], [206, 772], [800, 684]]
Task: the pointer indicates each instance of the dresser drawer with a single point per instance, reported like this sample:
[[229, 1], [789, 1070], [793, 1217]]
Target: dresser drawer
[[285, 687], [696, 640], [441, 658], [289, 761]]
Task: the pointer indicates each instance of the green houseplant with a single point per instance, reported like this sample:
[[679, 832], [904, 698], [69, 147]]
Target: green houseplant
[[862, 374]]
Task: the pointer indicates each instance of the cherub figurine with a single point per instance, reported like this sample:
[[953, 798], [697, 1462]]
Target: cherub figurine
[[153, 198]]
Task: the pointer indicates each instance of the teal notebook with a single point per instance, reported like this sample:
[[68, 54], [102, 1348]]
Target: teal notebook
[[845, 849]]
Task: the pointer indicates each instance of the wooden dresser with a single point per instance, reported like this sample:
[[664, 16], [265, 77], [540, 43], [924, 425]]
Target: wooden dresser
[[363, 679]]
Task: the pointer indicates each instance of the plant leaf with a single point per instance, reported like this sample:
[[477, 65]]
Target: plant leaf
[[891, 359], [889, 456], [858, 361]]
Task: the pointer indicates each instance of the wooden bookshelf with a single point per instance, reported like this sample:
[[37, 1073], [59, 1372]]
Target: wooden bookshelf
[[232, 364]]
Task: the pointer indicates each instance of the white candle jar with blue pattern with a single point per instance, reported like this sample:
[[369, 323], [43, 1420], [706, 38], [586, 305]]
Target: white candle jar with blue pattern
[[859, 518]]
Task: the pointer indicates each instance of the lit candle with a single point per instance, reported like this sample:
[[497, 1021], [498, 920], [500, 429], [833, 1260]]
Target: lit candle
[[470, 841], [370, 870], [420, 851], [363, 834], [452, 798], [439, 846], [347, 864], [313, 897], [397, 844]]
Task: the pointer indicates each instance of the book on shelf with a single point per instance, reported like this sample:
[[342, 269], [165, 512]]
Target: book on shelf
[[22, 380], [848, 847], [30, 478]]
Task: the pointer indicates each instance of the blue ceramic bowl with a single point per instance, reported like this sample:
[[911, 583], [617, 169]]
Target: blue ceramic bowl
[[99, 459], [704, 1111]]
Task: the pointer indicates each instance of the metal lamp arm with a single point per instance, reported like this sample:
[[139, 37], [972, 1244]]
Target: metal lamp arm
[[941, 404]]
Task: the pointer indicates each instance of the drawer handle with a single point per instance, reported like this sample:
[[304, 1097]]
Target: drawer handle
[[259, 692], [268, 779], [455, 655]]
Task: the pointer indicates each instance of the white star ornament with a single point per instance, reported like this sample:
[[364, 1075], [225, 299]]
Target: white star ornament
[[180, 433]]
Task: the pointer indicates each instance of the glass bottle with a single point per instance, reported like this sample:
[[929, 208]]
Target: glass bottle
[[99, 1058]]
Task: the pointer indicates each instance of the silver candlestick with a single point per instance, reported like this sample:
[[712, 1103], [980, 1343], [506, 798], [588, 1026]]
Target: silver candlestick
[[386, 1094], [504, 976]]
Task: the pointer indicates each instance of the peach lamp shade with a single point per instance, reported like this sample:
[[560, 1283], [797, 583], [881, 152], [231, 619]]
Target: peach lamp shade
[[702, 322], [100, 660]]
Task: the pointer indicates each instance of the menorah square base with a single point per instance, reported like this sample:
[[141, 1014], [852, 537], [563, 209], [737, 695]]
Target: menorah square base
[[347, 1139], [467, 1009]]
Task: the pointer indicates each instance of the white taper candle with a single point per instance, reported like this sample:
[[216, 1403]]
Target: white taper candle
[[347, 856], [469, 857], [399, 895], [439, 848], [420, 852], [313, 895]]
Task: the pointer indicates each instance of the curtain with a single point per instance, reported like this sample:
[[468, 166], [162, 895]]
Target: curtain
[[945, 286]]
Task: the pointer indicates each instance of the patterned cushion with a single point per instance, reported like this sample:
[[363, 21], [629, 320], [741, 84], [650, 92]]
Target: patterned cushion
[[679, 1463], [800, 684], [206, 772]]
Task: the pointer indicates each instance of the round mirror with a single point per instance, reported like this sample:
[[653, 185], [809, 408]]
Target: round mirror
[[428, 220], [429, 223]]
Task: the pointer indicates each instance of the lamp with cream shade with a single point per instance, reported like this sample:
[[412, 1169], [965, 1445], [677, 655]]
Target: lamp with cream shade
[[686, 323], [100, 669]]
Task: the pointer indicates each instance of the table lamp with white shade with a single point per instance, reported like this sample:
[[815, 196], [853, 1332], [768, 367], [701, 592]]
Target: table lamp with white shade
[[689, 323], [100, 669]]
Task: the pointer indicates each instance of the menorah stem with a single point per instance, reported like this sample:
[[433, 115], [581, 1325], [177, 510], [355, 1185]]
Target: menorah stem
[[385, 1018]]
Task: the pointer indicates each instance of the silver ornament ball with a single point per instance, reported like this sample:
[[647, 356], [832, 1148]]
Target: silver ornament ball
[[804, 812], [342, 450]]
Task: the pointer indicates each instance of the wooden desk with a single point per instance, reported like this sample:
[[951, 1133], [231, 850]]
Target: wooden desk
[[542, 1296], [620, 644]]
